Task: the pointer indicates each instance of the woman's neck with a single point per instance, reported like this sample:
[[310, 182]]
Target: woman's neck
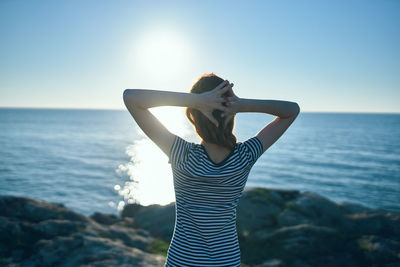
[[216, 153]]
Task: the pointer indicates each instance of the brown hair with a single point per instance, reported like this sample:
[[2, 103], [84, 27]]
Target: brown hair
[[207, 130]]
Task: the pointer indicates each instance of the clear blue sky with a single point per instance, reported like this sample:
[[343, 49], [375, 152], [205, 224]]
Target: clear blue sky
[[336, 56]]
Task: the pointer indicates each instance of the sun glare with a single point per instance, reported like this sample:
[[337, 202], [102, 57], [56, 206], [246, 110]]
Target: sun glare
[[150, 175], [173, 119], [162, 54], [148, 171]]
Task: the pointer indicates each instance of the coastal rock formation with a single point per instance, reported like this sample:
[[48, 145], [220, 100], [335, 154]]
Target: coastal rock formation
[[289, 228], [37, 233], [275, 228], [306, 229]]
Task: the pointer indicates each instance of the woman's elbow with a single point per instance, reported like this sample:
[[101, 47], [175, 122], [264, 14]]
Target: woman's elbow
[[131, 98], [296, 109], [127, 97], [125, 93]]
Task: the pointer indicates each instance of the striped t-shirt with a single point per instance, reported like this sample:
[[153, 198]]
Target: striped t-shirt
[[207, 195]]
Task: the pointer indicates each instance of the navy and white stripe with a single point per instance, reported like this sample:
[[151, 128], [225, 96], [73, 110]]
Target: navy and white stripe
[[207, 195]]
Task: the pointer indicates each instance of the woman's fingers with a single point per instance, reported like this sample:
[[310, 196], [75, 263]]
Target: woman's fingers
[[211, 118], [233, 94], [227, 113], [232, 98], [226, 122], [227, 119], [221, 85], [225, 89], [227, 99], [220, 107], [220, 99]]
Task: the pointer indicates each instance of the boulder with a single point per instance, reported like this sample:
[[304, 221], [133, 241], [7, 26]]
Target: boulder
[[157, 219], [289, 228], [275, 228], [106, 219], [37, 233], [35, 210]]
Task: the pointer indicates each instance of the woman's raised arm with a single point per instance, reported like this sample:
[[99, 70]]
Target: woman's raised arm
[[286, 112], [280, 108], [146, 98], [138, 101]]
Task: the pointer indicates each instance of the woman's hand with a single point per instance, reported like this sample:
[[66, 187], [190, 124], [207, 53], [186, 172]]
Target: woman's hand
[[208, 101], [230, 111]]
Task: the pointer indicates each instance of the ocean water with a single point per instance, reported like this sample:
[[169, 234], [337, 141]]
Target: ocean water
[[99, 160]]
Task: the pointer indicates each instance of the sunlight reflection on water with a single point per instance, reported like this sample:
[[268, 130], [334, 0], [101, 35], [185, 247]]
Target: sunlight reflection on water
[[148, 171]]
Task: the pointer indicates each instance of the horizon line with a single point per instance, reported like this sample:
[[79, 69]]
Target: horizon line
[[114, 109]]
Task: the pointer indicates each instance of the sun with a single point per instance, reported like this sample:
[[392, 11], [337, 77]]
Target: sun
[[163, 53]]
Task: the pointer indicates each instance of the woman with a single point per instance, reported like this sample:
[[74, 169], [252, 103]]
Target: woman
[[209, 177]]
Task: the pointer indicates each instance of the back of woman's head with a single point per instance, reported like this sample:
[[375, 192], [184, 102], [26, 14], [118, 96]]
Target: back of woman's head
[[208, 131]]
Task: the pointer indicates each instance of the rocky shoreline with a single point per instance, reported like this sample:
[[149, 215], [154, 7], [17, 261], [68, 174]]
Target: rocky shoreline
[[275, 228]]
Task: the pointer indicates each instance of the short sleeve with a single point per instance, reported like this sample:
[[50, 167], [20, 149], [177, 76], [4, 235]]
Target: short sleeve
[[254, 148], [179, 150]]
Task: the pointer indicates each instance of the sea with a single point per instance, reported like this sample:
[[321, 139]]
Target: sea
[[100, 160]]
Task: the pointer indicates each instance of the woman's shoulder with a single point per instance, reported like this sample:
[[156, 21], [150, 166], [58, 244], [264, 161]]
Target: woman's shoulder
[[253, 148], [252, 141]]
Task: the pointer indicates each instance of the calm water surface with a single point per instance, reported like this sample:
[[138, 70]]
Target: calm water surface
[[98, 160]]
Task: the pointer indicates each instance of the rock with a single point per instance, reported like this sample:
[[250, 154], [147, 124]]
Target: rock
[[293, 237], [384, 224], [289, 228], [130, 210], [107, 219], [271, 262], [378, 249], [52, 228], [158, 220], [58, 236], [275, 228], [90, 251], [257, 211], [351, 208], [32, 210], [320, 209], [290, 217], [276, 196]]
